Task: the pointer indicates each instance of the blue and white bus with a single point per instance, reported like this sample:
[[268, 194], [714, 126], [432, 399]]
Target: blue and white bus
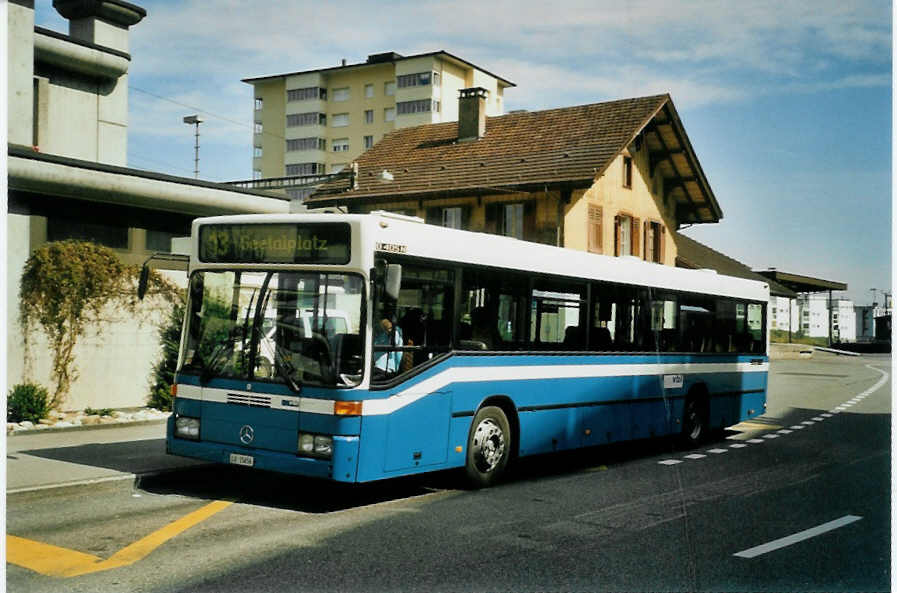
[[362, 347]]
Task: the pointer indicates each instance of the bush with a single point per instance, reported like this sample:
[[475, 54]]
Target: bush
[[27, 401], [94, 412], [163, 370]]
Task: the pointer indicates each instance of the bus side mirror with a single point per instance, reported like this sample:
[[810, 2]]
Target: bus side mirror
[[393, 281], [143, 282]]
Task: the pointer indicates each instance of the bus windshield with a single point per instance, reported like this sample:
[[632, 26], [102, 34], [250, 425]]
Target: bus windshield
[[294, 328]]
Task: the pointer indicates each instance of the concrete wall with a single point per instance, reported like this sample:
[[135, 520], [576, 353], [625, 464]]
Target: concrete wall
[[20, 64], [272, 116]]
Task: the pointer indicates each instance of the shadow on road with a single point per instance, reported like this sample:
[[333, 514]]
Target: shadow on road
[[283, 491]]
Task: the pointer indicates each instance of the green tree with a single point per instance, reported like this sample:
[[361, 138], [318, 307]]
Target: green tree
[[164, 369]]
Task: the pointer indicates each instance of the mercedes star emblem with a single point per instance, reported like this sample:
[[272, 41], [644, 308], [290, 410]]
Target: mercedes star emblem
[[246, 434]]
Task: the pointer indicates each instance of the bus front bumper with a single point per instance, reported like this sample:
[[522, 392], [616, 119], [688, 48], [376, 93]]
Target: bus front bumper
[[341, 467]]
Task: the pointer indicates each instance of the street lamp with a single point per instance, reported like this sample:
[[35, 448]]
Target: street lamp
[[195, 120]]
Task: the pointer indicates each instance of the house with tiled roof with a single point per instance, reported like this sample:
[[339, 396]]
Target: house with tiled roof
[[616, 177]]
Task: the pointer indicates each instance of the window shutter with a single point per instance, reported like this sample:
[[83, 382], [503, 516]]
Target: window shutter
[[492, 218], [617, 238], [647, 248], [662, 242], [636, 238], [529, 221], [596, 245]]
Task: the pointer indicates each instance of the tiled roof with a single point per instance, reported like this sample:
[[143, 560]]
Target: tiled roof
[[692, 254], [526, 151]]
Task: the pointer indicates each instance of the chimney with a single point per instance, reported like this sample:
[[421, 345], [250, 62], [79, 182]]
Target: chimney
[[471, 114], [101, 22]]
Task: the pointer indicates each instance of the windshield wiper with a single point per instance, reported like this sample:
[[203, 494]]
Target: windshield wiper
[[285, 369]]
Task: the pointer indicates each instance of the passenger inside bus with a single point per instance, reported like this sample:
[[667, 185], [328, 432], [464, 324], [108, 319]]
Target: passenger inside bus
[[387, 363]]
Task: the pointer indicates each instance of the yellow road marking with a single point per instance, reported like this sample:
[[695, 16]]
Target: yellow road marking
[[61, 562], [757, 426]]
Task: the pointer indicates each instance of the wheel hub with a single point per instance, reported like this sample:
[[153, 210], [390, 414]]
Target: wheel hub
[[489, 445]]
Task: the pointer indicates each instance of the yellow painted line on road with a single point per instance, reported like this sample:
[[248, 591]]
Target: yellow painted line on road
[[756, 426], [62, 562]]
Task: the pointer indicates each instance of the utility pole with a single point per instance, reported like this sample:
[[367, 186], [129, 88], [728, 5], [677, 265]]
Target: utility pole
[[195, 120]]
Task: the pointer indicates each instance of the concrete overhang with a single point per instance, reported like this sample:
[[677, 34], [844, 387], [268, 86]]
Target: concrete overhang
[[801, 284], [56, 50], [51, 175]]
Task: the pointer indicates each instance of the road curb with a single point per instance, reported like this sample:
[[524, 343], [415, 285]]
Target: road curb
[[53, 429]]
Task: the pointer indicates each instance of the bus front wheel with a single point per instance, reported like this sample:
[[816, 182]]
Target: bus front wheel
[[488, 447], [694, 422]]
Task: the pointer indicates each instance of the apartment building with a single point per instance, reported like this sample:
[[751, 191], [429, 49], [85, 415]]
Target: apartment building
[[315, 122]]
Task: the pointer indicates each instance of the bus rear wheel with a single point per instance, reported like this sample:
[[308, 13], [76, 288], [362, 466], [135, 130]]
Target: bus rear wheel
[[694, 422], [488, 447]]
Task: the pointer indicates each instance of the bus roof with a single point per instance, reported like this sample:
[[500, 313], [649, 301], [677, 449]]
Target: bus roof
[[395, 233]]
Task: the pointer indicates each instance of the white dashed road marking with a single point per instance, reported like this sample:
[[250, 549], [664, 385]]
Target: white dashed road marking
[[804, 424], [797, 537]]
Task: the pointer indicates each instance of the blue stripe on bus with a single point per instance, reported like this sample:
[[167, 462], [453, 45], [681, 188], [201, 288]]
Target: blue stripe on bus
[[431, 433]]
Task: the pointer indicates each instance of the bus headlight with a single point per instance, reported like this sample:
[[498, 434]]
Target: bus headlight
[[315, 445], [186, 428]]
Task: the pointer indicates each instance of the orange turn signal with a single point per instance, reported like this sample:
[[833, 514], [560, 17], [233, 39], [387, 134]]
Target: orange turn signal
[[347, 408], [174, 390]]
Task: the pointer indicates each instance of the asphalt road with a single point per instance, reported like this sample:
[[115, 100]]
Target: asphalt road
[[767, 507]]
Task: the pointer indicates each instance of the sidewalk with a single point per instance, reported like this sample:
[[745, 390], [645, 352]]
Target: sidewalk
[[51, 458]]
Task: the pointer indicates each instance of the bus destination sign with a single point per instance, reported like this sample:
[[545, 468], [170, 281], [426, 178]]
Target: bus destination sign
[[314, 243]]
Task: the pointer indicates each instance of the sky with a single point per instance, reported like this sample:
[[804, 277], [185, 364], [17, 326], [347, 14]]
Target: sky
[[787, 104]]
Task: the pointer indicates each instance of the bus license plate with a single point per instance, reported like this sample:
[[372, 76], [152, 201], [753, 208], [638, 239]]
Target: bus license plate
[[238, 459]]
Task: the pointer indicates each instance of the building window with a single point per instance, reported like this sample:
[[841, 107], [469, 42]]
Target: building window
[[368, 91], [452, 217], [257, 151], [341, 94], [389, 114], [417, 79], [299, 194], [306, 119], [340, 145], [596, 237], [60, 229], [307, 94], [300, 169], [626, 235], [420, 106], [627, 171], [654, 234], [256, 173], [340, 120], [512, 220], [258, 103], [389, 88], [159, 241], [368, 116], [257, 128], [368, 142], [306, 144]]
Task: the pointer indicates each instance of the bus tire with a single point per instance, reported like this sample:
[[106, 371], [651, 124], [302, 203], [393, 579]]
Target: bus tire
[[695, 418], [488, 447]]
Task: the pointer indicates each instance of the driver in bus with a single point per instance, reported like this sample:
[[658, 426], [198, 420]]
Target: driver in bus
[[386, 334]]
